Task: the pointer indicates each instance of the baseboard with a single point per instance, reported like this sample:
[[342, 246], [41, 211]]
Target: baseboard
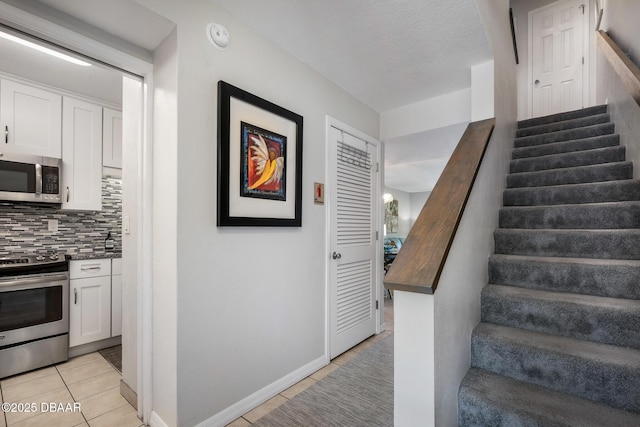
[[156, 421], [245, 405], [128, 394], [79, 350]]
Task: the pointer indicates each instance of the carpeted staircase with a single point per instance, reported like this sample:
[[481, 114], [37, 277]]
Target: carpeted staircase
[[559, 340]]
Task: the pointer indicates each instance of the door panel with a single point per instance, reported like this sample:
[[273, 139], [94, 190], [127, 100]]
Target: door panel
[[353, 261], [557, 58]]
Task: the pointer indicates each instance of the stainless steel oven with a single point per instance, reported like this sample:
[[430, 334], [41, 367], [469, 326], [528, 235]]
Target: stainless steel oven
[[34, 312]]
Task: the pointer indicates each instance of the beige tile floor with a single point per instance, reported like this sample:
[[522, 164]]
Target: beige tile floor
[[84, 391], [271, 404]]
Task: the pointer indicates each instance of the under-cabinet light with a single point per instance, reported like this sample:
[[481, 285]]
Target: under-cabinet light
[[43, 49]]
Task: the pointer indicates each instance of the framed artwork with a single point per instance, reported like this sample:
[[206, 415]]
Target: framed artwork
[[259, 161], [391, 216]]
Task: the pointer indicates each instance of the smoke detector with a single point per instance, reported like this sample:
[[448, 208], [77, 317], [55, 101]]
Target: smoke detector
[[218, 36]]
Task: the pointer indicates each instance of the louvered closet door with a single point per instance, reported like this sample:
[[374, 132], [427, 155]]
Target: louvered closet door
[[353, 241]]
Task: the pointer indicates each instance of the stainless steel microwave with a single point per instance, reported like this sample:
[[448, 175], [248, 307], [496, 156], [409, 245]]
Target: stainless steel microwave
[[25, 178]]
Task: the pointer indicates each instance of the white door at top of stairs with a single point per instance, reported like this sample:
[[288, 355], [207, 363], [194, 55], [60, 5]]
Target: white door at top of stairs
[[353, 258], [557, 57]]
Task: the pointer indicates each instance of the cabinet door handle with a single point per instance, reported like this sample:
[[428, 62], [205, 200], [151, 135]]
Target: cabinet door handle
[[6, 134], [68, 194], [75, 295]]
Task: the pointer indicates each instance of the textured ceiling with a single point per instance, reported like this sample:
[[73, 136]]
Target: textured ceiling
[[386, 53]]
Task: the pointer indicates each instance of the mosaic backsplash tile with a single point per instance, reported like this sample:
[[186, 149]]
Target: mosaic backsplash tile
[[24, 227]]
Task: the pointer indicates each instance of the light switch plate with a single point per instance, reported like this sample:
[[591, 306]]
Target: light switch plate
[[126, 226], [52, 225]]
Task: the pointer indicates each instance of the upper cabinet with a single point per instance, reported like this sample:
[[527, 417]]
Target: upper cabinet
[[41, 122], [31, 120], [81, 155], [112, 139]]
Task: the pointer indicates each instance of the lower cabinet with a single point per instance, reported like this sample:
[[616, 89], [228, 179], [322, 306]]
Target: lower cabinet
[[91, 305]]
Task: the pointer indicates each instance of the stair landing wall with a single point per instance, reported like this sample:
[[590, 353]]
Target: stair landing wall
[[624, 111]]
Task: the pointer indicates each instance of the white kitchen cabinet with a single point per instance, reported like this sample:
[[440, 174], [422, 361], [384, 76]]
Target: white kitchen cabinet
[[116, 297], [90, 305], [112, 139], [81, 155], [31, 119]]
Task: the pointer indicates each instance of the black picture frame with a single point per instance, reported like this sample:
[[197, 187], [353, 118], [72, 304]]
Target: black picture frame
[[243, 118]]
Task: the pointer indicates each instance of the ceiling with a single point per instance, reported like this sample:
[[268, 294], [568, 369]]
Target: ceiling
[[95, 82], [125, 19], [388, 54]]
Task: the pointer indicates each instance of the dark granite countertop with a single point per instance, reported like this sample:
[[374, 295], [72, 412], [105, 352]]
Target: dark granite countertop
[[94, 255]]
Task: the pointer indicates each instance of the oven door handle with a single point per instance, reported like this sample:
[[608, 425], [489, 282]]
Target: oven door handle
[[33, 281]]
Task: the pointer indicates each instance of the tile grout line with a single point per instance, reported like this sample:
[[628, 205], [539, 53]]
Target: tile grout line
[[4, 415], [71, 394]]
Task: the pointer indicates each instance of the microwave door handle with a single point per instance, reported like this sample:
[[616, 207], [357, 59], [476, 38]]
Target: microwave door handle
[[38, 179]]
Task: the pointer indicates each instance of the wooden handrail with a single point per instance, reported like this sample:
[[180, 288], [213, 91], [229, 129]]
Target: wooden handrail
[[421, 258], [628, 71]]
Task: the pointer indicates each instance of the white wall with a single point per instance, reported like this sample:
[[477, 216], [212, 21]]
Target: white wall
[[132, 124], [250, 302], [165, 231], [417, 203], [619, 20], [448, 317], [433, 113], [482, 89]]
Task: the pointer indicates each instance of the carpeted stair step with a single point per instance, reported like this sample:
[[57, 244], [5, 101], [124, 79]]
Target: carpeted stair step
[[564, 125], [599, 192], [560, 117], [606, 278], [487, 399], [566, 146], [606, 244], [612, 215], [576, 175], [599, 372], [565, 135], [614, 321], [567, 160]]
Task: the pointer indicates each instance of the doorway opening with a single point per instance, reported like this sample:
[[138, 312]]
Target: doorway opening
[[129, 77]]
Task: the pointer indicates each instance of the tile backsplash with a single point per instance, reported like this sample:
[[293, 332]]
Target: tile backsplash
[[24, 227]]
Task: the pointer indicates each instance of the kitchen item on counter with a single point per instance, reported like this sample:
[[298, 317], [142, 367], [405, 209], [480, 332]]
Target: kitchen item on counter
[[25, 178], [34, 312], [109, 243]]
